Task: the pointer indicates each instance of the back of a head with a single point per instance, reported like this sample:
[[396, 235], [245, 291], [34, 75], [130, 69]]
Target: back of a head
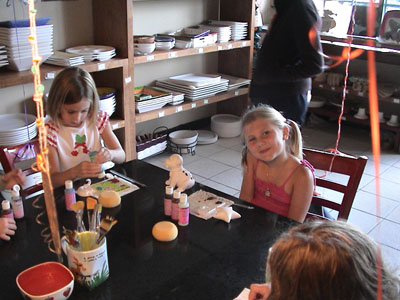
[[327, 260], [69, 87]]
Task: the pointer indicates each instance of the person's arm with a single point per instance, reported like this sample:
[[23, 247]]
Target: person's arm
[[13, 177], [85, 169], [114, 151], [259, 291], [302, 194], [7, 228], [247, 189]]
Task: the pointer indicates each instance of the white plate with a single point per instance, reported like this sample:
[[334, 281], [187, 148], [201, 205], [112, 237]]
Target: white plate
[[15, 122], [206, 137], [89, 49]]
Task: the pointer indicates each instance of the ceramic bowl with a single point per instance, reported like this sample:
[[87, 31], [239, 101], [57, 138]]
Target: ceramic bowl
[[226, 126], [49, 280], [183, 137], [144, 48], [143, 39]]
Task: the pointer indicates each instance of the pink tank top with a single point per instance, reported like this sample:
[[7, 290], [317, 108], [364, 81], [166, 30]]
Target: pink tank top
[[272, 197]]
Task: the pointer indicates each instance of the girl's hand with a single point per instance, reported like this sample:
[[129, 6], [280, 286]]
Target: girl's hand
[[259, 291], [88, 169], [13, 177], [104, 155], [7, 228]]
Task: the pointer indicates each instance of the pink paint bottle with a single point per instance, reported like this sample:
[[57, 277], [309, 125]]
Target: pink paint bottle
[[16, 202], [175, 205], [183, 210], [169, 190], [69, 193], [6, 211]]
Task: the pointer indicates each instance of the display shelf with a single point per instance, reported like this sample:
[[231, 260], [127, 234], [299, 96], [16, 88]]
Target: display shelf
[[188, 105], [117, 124], [349, 91], [175, 53], [11, 78]]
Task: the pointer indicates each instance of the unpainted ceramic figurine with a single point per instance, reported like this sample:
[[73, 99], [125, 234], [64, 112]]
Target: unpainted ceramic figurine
[[178, 176]]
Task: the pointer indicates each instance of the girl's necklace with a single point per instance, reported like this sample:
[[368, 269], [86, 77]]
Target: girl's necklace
[[267, 192]]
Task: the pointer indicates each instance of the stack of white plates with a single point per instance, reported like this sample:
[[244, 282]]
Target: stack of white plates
[[107, 99], [235, 82], [154, 98], [164, 42], [19, 50], [93, 52], [177, 97], [64, 59], [195, 86], [223, 31], [17, 129], [3, 56], [238, 29]]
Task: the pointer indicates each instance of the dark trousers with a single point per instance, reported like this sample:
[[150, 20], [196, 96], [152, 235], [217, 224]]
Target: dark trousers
[[292, 107]]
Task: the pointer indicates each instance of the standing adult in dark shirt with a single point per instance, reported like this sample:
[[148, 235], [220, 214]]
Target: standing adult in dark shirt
[[289, 57]]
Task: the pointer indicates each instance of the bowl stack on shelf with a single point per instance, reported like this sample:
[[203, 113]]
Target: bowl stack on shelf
[[164, 42], [14, 35], [107, 99], [93, 52], [3, 56], [195, 86], [143, 44]]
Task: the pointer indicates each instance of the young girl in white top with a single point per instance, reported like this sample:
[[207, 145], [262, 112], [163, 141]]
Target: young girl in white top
[[76, 127], [275, 176]]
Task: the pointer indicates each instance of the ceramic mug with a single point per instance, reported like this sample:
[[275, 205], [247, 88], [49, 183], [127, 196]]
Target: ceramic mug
[[381, 117], [90, 268], [394, 119], [361, 112]]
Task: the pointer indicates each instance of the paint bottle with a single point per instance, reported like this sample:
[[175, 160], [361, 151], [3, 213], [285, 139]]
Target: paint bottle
[[169, 191], [183, 210], [69, 193], [175, 205], [6, 211], [16, 202]]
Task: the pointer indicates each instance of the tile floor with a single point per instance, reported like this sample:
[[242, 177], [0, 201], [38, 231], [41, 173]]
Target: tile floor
[[218, 165]]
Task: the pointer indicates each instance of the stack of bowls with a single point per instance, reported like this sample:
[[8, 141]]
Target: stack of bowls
[[226, 126], [164, 42], [143, 44], [183, 141]]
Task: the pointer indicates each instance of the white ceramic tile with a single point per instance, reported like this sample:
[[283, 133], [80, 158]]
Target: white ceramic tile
[[362, 220], [188, 158], [207, 150], [370, 167], [391, 174], [391, 257], [387, 233], [394, 216], [229, 142], [387, 157], [231, 177], [206, 167], [199, 178], [238, 148], [228, 157], [366, 202], [365, 180], [220, 187], [388, 189]]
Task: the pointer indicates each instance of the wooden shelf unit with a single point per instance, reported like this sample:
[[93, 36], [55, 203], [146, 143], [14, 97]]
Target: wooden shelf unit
[[113, 26]]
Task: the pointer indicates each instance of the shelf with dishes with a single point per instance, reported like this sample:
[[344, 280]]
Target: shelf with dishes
[[350, 91], [174, 52], [11, 78], [188, 105]]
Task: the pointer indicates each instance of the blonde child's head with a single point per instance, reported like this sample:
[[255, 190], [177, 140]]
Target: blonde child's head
[[69, 87], [293, 144], [327, 260]]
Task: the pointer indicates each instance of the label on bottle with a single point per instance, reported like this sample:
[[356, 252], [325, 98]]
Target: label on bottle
[[175, 211], [183, 216], [18, 208], [69, 199], [167, 206]]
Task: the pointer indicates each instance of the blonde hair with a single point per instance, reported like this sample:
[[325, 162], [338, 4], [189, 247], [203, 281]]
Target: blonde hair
[[265, 112], [327, 260], [69, 87]]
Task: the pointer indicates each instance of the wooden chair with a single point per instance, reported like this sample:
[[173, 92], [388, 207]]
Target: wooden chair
[[344, 166], [7, 160]]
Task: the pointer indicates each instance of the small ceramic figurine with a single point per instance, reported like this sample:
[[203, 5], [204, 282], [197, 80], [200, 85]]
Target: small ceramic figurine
[[178, 176]]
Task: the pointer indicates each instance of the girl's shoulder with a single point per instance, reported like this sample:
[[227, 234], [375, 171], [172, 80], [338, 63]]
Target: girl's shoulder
[[102, 120], [51, 126]]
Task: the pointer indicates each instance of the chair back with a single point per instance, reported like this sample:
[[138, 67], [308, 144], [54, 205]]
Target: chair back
[[8, 159], [344, 167]]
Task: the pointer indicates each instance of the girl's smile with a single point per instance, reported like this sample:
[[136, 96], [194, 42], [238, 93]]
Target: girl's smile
[[73, 115]]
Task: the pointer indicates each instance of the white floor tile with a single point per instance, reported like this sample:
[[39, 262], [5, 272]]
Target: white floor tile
[[231, 177], [387, 233], [207, 150], [220, 187], [394, 216], [370, 167], [228, 157], [388, 189], [229, 142], [362, 220], [206, 168], [391, 174], [391, 257], [366, 202]]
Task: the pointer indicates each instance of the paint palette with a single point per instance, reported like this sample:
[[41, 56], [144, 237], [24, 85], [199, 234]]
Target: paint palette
[[117, 184]]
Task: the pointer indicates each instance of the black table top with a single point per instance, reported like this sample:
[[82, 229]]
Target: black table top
[[208, 260]]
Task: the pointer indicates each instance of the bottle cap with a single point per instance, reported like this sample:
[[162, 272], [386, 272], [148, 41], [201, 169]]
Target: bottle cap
[[68, 184], [177, 194], [169, 190], [183, 198], [5, 204], [15, 191]]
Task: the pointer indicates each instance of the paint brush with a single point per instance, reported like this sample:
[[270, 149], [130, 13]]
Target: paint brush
[[78, 208], [90, 205]]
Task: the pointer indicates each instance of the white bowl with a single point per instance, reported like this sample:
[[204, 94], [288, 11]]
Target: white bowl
[[226, 126], [144, 48], [184, 137]]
